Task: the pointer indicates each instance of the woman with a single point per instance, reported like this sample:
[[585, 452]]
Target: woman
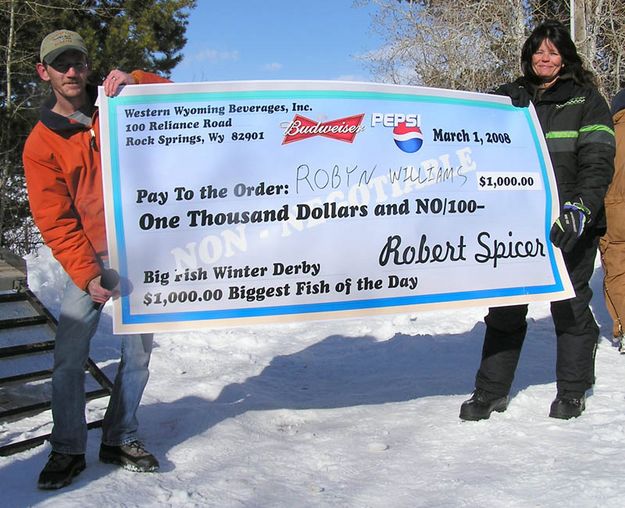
[[577, 126]]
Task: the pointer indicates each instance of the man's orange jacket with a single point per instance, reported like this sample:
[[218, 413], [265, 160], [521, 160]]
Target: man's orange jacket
[[64, 180]]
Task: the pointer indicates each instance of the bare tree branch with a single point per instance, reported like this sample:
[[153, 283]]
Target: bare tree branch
[[476, 44]]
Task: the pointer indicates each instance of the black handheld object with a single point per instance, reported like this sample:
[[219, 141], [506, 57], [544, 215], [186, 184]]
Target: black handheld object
[[518, 94], [109, 279]]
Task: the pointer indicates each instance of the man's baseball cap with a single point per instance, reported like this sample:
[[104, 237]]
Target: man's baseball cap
[[58, 42]]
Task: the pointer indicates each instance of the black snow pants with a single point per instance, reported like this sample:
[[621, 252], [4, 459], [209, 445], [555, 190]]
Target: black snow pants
[[576, 330]]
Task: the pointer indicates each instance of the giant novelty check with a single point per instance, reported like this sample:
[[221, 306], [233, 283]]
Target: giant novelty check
[[256, 202]]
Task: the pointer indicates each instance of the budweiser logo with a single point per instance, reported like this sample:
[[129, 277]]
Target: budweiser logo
[[343, 129]]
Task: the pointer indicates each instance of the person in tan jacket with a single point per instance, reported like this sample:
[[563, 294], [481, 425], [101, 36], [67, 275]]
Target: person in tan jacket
[[612, 244]]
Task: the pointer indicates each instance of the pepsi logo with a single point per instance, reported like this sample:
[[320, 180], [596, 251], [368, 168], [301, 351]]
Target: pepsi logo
[[408, 139], [394, 119]]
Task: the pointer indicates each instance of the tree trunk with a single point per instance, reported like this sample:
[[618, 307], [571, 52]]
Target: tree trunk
[[6, 159]]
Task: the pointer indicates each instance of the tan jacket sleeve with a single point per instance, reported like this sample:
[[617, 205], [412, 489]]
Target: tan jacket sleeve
[[612, 245]]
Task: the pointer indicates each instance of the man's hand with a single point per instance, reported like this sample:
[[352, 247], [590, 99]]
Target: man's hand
[[569, 226], [114, 80], [97, 292]]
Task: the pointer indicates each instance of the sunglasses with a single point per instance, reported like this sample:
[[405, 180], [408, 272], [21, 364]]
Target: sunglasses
[[63, 67]]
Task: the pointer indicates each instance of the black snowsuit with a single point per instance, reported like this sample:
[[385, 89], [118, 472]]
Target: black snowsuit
[[578, 128]]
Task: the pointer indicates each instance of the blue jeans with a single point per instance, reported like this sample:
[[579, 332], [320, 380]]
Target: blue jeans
[[77, 324]]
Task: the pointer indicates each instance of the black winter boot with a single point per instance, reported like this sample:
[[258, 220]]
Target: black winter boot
[[567, 406], [132, 456], [60, 469], [481, 405]]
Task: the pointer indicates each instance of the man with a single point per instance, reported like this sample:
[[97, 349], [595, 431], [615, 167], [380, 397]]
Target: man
[[63, 175], [613, 242]]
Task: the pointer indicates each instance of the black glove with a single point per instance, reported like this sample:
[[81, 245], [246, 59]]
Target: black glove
[[518, 94], [569, 226]]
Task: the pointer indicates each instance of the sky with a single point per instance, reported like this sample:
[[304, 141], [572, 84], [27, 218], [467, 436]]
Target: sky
[[352, 413], [276, 40]]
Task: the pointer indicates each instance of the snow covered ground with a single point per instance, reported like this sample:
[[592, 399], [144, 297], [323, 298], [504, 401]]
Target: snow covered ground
[[349, 413]]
